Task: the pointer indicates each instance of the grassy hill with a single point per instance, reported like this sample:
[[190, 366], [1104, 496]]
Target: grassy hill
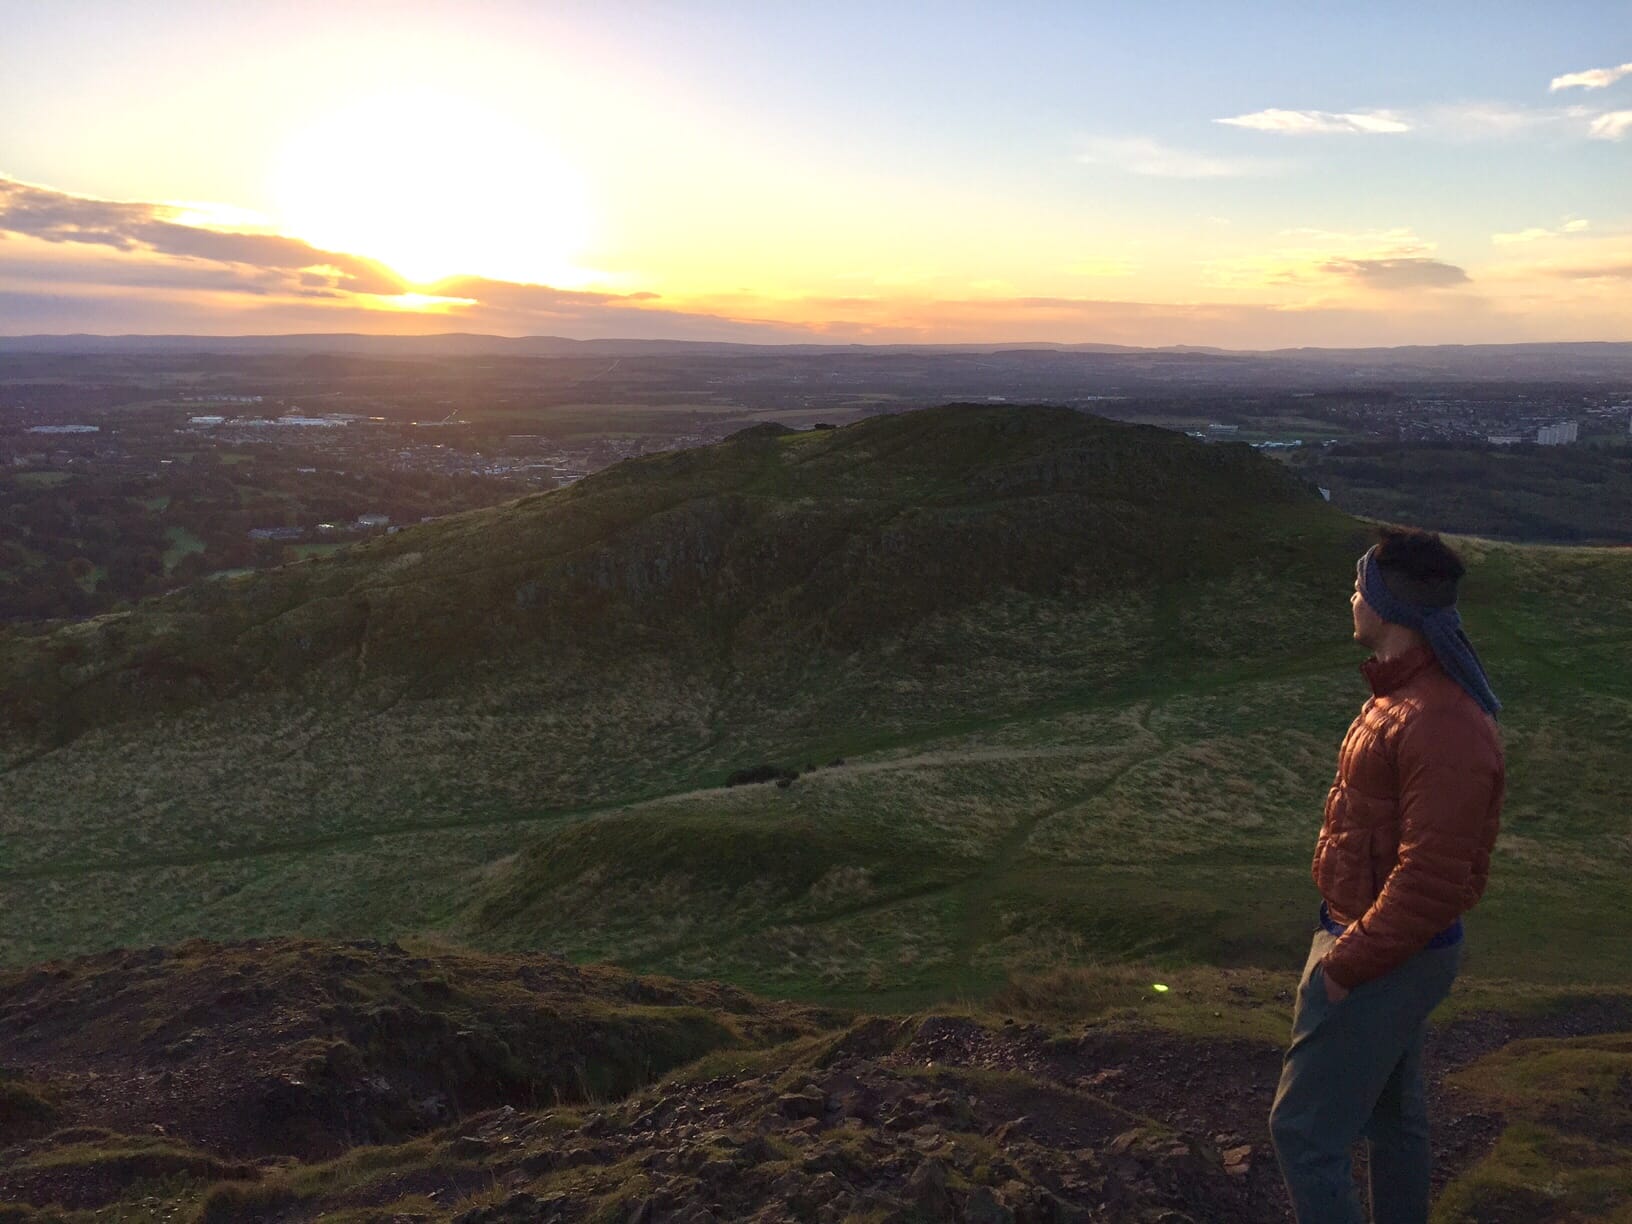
[[1055, 702], [1086, 680]]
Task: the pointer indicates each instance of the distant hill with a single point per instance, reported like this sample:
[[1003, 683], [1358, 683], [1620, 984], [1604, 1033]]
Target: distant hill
[[1587, 360], [472, 344]]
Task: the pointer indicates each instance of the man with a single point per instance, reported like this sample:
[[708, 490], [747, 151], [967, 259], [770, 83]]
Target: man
[[1403, 851]]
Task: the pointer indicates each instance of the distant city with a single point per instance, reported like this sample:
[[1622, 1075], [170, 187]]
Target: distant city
[[123, 474]]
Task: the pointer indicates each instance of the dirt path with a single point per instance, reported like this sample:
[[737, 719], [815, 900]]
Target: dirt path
[[980, 900]]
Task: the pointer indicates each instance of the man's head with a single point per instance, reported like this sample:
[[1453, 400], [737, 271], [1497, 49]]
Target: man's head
[[1419, 569]]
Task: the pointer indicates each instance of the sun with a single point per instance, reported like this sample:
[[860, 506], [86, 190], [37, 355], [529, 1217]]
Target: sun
[[434, 186]]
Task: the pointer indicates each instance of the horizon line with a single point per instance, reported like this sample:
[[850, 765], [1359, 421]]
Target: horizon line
[[409, 337]]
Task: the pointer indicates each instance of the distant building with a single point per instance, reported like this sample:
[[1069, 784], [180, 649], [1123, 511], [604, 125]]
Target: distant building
[[1216, 430], [206, 420], [275, 533], [1558, 435], [1504, 439], [373, 520], [64, 429]]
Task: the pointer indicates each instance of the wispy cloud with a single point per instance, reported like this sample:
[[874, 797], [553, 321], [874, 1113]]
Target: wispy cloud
[[58, 217], [1592, 78], [1395, 274], [1319, 122], [1612, 125], [1535, 233], [1140, 155], [83, 251], [1466, 120], [1333, 265], [1614, 271]]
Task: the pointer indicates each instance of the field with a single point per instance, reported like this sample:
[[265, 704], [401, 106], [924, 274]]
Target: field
[[1006, 763], [1087, 810]]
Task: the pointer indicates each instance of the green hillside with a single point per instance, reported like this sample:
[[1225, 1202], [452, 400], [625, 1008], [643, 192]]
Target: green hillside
[[1086, 681]]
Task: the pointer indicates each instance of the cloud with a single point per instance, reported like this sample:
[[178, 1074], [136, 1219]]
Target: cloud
[[1469, 120], [515, 295], [1592, 78], [58, 217], [1524, 235], [1620, 271], [1139, 155], [63, 249], [1313, 122], [1535, 233], [33, 263], [1612, 125], [1484, 120], [1391, 275], [1317, 260]]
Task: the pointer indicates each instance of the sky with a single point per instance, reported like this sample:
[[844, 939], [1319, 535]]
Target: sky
[[1249, 175]]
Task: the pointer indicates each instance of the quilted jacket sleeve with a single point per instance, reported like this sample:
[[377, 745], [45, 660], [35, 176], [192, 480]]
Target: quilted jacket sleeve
[[1451, 782]]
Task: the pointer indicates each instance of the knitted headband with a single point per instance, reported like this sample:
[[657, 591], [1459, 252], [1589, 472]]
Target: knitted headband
[[1442, 626]]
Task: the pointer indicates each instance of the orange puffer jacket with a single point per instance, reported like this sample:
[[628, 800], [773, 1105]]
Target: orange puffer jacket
[[1411, 819]]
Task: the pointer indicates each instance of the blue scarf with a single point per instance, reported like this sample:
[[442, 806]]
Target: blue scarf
[[1441, 626]]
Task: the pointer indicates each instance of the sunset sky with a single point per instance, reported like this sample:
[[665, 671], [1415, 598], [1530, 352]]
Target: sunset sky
[[1244, 175]]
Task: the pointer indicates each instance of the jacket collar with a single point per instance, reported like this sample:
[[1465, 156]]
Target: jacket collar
[[1384, 678]]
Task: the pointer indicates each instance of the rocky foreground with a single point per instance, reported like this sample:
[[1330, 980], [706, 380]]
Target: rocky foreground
[[294, 1080]]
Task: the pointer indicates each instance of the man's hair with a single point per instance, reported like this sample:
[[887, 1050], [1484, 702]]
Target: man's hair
[[1418, 566]]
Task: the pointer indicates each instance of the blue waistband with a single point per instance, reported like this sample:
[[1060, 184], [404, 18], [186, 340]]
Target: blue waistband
[[1450, 935]]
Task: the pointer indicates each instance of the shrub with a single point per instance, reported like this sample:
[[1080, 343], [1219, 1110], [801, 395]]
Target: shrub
[[756, 774]]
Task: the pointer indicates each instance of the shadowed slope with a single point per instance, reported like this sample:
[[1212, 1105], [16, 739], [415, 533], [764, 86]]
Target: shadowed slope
[[835, 537], [225, 760]]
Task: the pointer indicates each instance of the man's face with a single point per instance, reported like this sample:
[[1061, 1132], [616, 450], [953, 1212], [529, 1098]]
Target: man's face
[[1368, 626]]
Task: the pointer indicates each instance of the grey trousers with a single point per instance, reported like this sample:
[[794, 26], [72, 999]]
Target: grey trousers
[[1354, 1069]]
